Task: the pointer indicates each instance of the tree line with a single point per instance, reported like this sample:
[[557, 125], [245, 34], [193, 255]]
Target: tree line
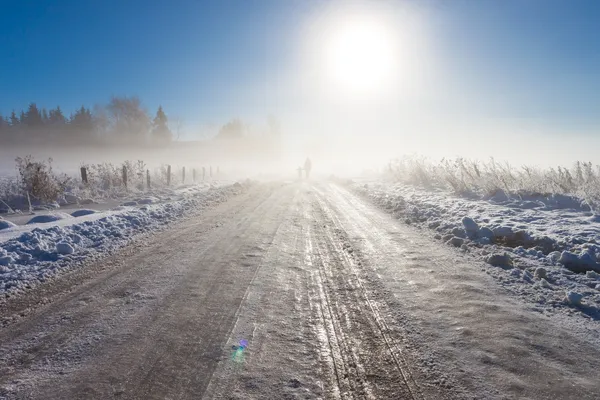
[[122, 121]]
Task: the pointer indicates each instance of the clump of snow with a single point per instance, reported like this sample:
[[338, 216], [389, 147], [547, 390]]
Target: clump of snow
[[64, 248], [6, 224], [541, 273], [573, 298], [545, 284], [503, 231], [45, 218], [455, 241], [580, 263], [499, 260], [470, 225], [485, 232], [130, 204], [592, 275], [82, 212], [6, 260], [554, 257]]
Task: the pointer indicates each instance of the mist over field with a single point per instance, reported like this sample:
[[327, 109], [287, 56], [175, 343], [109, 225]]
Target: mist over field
[[342, 151]]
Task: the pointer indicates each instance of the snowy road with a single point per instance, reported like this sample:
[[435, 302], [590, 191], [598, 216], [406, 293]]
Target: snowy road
[[289, 291]]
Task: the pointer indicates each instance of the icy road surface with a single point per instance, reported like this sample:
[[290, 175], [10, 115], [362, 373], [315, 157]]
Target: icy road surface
[[288, 291]]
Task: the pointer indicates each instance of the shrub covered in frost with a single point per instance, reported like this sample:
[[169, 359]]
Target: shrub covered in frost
[[577, 187]]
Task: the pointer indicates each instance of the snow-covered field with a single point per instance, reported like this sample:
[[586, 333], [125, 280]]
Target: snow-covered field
[[40, 245], [544, 248]]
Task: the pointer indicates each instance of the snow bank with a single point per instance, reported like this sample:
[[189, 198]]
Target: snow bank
[[6, 224], [44, 219], [36, 255], [83, 212], [537, 246]]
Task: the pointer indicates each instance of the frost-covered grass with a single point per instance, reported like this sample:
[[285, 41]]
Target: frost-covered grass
[[34, 183], [486, 179]]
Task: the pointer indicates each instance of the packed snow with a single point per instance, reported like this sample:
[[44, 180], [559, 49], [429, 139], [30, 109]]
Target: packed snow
[[49, 243], [545, 249]]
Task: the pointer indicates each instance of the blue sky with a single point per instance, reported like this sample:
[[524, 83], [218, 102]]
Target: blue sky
[[208, 61]]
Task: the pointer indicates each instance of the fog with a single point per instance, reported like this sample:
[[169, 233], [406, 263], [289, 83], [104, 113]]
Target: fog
[[344, 151], [359, 85]]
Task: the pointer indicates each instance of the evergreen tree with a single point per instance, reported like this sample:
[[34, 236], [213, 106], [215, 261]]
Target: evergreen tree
[[56, 116], [14, 121], [22, 118], [160, 129], [82, 122], [33, 117]]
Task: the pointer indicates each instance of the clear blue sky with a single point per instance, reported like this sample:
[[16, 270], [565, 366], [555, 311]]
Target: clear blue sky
[[207, 61]]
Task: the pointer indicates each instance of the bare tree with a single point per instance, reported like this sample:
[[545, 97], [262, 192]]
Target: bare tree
[[128, 119], [234, 129]]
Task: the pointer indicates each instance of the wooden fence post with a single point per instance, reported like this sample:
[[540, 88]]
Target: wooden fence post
[[168, 175], [203, 173], [183, 176], [84, 178], [148, 178], [194, 175], [125, 176]]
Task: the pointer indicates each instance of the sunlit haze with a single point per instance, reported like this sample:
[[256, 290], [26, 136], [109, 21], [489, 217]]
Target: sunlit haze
[[350, 83], [300, 199]]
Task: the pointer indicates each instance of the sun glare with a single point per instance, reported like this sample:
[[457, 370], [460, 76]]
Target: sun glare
[[360, 56]]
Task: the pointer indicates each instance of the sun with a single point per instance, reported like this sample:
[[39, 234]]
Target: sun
[[360, 56]]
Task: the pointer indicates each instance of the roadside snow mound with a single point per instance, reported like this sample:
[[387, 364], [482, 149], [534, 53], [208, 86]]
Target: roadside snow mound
[[35, 256], [44, 219], [6, 224], [83, 212], [557, 233]]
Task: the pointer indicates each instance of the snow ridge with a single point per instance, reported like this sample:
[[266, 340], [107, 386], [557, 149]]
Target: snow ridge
[[545, 249], [37, 255]]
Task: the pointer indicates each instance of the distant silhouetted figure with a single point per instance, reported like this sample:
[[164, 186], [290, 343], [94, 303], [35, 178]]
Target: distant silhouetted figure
[[307, 167]]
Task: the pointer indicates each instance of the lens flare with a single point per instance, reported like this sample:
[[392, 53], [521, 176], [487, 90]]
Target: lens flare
[[239, 351]]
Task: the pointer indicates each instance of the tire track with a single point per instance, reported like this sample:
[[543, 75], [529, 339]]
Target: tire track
[[325, 330], [367, 346]]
